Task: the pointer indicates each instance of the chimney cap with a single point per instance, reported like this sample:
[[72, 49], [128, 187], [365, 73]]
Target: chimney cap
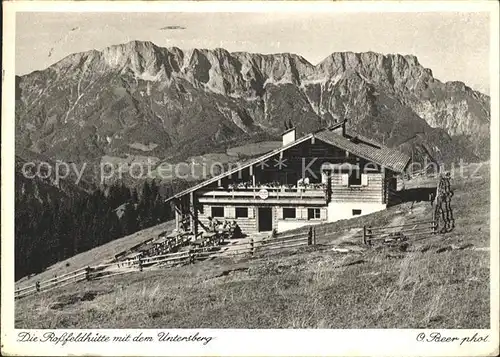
[[337, 125], [288, 130]]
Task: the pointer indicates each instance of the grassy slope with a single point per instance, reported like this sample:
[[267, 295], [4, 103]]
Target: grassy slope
[[97, 255], [312, 287]]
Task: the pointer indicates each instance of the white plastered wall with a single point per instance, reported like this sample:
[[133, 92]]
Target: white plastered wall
[[343, 210], [285, 225]]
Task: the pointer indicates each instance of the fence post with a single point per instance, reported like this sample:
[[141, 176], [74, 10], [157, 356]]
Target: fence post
[[364, 235], [435, 220], [37, 286], [252, 248], [87, 273], [310, 236], [140, 263], [369, 235], [314, 236]]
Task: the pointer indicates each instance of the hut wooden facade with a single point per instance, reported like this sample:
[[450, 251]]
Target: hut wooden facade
[[325, 176]]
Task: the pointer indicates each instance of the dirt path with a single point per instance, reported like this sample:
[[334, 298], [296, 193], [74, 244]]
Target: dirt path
[[347, 236], [396, 221], [347, 242], [401, 219]]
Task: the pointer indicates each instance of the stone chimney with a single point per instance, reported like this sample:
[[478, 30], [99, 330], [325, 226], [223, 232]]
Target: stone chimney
[[339, 128], [289, 136]]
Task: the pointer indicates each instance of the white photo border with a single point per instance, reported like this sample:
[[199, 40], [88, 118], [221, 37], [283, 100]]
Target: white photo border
[[234, 342]]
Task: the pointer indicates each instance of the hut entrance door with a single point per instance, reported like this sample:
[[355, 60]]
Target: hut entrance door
[[265, 219]]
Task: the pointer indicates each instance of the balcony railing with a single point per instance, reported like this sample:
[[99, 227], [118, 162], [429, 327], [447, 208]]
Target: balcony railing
[[268, 194]]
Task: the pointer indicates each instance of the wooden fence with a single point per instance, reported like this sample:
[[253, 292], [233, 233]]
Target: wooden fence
[[398, 233], [63, 280], [188, 256]]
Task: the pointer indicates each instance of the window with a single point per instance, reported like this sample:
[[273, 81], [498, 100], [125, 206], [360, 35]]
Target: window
[[313, 213], [241, 212], [217, 211], [356, 212], [288, 213], [355, 178]]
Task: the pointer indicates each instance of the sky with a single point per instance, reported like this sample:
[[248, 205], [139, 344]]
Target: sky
[[454, 45]]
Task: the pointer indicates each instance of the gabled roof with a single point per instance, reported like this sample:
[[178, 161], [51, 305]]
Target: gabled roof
[[352, 142], [367, 149], [242, 166]]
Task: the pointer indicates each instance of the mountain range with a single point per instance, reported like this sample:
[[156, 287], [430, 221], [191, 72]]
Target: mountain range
[[141, 99]]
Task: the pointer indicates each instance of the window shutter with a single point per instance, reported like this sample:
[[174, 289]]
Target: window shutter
[[302, 213], [335, 179], [324, 177], [364, 180], [250, 212], [322, 213], [230, 212], [280, 212], [345, 179]]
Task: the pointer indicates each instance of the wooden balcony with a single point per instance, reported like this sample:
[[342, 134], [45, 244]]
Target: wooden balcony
[[259, 195]]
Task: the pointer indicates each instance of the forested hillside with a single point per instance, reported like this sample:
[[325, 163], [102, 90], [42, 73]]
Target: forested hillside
[[51, 225]]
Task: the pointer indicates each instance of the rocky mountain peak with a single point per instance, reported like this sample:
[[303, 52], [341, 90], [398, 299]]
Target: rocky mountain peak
[[397, 71], [161, 97]]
